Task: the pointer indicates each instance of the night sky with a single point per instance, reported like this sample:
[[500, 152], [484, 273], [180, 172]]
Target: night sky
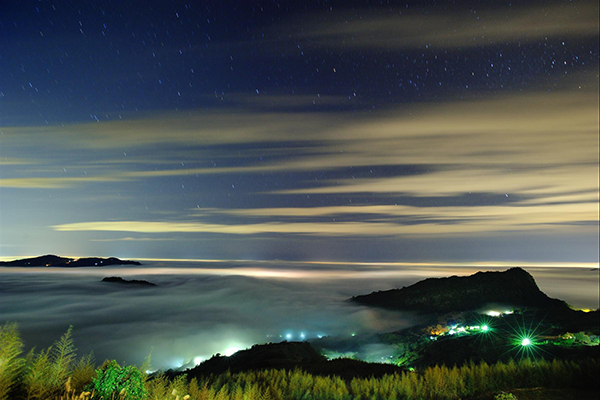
[[352, 131]]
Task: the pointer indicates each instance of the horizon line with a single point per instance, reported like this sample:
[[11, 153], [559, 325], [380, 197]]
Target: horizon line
[[534, 264]]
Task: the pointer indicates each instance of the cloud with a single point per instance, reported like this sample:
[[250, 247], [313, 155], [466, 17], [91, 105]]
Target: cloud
[[55, 182], [539, 112], [16, 161], [450, 29], [388, 221], [139, 239], [539, 149], [190, 313], [200, 309], [192, 128], [525, 181], [499, 137]]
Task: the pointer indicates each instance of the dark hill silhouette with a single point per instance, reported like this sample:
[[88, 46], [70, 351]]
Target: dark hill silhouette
[[290, 356], [513, 287], [51, 260], [133, 282]]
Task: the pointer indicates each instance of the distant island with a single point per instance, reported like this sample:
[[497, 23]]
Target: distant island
[[51, 260], [132, 282]]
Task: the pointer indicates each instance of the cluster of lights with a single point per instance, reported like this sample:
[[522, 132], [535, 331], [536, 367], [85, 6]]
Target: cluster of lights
[[493, 313], [455, 329], [289, 335], [458, 330], [299, 336]]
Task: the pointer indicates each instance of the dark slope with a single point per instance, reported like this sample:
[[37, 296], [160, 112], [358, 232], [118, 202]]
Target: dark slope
[[290, 356], [451, 351], [51, 260], [514, 287]]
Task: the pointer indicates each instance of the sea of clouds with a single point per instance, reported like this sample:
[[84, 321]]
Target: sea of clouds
[[199, 309]]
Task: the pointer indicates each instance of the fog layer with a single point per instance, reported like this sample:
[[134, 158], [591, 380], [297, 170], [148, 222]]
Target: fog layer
[[199, 309]]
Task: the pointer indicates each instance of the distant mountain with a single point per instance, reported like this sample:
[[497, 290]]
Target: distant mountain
[[51, 260], [290, 356], [133, 282], [513, 287]]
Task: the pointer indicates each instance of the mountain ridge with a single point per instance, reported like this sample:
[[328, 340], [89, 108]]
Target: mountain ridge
[[51, 260], [514, 287]]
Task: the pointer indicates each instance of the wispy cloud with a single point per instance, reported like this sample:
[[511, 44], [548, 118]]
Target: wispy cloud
[[388, 221], [55, 182], [448, 29], [501, 137], [531, 181], [16, 161]]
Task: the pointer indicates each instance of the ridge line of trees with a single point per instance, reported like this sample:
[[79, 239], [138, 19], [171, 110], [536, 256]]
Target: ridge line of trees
[[57, 373]]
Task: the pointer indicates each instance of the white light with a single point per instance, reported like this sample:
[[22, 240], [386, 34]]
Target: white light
[[484, 328], [288, 336], [230, 351], [526, 342], [493, 313], [198, 360], [302, 335]]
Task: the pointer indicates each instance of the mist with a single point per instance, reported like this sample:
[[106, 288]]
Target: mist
[[198, 310]]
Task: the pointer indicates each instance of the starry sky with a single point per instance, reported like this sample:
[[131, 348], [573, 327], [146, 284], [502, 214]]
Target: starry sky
[[351, 131]]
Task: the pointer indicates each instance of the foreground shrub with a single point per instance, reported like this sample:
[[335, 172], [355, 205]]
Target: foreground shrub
[[83, 373], [113, 381], [11, 346], [47, 372]]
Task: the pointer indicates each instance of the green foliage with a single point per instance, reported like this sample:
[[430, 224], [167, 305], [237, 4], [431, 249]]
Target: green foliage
[[158, 387], [83, 372], [47, 373], [63, 357], [113, 381], [55, 373], [505, 396], [39, 369], [11, 365]]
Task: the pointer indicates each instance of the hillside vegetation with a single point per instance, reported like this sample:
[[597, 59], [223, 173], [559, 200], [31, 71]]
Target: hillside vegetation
[[57, 373]]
